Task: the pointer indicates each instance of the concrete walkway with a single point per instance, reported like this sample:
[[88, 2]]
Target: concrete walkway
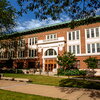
[[51, 91]]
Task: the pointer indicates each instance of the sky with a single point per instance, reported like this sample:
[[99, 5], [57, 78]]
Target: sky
[[28, 21]]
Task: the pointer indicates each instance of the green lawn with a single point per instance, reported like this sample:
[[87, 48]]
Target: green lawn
[[8, 95], [38, 79]]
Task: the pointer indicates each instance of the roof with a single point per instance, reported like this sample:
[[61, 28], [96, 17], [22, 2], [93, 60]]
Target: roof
[[70, 24]]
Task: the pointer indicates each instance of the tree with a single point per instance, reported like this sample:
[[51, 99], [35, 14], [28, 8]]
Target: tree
[[67, 60], [7, 16], [91, 63], [55, 8]]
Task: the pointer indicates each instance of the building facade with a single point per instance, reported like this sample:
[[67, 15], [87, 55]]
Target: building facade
[[40, 47]]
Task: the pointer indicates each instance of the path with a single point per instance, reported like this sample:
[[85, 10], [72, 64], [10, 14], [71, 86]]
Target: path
[[51, 91]]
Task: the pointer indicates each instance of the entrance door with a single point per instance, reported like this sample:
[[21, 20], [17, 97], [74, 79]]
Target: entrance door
[[50, 64]]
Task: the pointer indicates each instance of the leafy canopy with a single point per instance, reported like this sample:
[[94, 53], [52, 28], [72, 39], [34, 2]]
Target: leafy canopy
[[75, 9], [67, 60], [7, 16], [91, 62]]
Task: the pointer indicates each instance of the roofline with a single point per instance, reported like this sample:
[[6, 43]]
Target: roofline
[[53, 27]]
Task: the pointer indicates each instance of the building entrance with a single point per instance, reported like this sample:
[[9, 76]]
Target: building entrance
[[50, 64]]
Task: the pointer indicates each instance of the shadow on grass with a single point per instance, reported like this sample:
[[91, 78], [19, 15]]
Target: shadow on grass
[[83, 87]]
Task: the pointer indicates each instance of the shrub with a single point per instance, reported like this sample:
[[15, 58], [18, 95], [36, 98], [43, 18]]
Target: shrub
[[60, 71], [19, 71], [71, 72], [7, 71]]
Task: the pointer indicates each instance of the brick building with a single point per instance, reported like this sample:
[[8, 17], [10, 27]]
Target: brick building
[[39, 47]]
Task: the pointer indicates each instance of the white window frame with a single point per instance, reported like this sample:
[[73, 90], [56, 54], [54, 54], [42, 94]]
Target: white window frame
[[94, 28], [75, 34], [76, 52], [30, 53], [95, 44], [54, 36], [31, 42]]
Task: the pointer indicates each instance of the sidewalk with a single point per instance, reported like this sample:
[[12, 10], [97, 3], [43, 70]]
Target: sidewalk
[[51, 91]]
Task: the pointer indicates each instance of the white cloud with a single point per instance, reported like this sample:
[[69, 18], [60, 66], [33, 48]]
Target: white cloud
[[34, 23], [98, 11]]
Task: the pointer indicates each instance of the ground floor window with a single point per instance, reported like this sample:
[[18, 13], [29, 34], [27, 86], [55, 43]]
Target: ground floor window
[[31, 64], [77, 64], [20, 65], [98, 63]]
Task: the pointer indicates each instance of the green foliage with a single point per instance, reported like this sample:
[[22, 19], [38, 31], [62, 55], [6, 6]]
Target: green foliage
[[7, 16], [91, 62], [75, 9], [67, 60], [83, 72], [79, 83], [71, 72]]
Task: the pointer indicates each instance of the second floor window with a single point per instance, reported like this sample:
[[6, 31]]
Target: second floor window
[[51, 36], [74, 35], [21, 43], [93, 32], [50, 52], [33, 41]]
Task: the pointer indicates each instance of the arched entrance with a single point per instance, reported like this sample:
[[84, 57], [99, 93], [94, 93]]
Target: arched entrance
[[50, 61]]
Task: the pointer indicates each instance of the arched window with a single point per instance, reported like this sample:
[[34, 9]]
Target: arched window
[[50, 52]]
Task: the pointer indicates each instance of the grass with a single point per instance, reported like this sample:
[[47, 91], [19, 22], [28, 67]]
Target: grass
[[80, 83], [8, 95], [38, 79]]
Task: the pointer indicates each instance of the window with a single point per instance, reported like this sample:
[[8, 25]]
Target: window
[[74, 49], [69, 35], [93, 48], [32, 53], [51, 37], [98, 47], [11, 45], [11, 54], [20, 54], [2, 54], [33, 41], [98, 63], [77, 34], [74, 35], [97, 32], [88, 34], [78, 49], [88, 48], [50, 52], [69, 48], [93, 32], [78, 64], [21, 43]]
